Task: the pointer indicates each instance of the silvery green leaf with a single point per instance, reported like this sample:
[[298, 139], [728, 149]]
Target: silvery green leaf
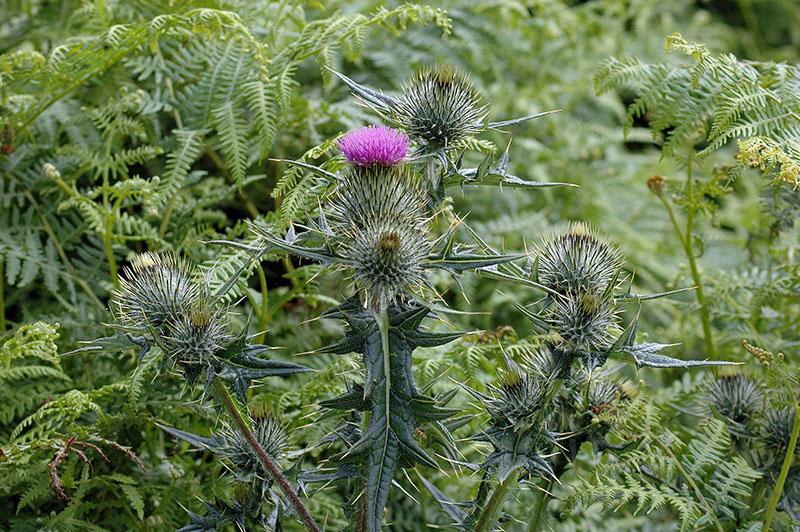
[[645, 297], [503, 123], [376, 99], [199, 442], [646, 355], [316, 169], [452, 508], [467, 261]]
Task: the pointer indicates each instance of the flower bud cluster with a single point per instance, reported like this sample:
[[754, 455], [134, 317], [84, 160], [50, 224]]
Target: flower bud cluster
[[581, 272], [160, 299]]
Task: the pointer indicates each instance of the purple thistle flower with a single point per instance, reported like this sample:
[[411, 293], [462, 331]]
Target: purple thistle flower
[[374, 145]]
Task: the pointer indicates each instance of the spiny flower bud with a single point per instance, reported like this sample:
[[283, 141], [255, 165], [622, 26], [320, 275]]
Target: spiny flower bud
[[380, 221], [155, 288], [269, 434], [735, 397], [374, 145], [440, 106], [516, 401], [194, 337], [777, 428], [585, 323], [603, 395], [578, 262]]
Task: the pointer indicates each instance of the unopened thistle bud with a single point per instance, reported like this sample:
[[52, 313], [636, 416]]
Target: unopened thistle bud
[[735, 397], [602, 396], [440, 106], [777, 428], [578, 262], [154, 289], [380, 220], [374, 145], [193, 338], [585, 323], [269, 434], [518, 399]]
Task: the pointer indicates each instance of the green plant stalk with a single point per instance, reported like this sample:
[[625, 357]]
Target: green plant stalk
[[230, 405], [788, 460], [701, 298], [2, 297], [495, 503], [60, 249], [109, 249], [686, 242], [263, 313], [535, 524]]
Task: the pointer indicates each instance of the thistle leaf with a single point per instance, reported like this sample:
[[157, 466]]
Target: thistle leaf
[[646, 355]]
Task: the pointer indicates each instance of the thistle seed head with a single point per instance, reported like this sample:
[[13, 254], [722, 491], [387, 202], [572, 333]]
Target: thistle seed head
[[374, 145], [735, 397], [193, 338], [155, 288], [578, 262], [777, 427], [518, 399], [269, 434], [439, 106], [585, 323], [380, 220]]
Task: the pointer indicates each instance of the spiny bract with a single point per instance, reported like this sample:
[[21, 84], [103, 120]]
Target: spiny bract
[[440, 106], [735, 397], [517, 400], [585, 323], [380, 223], [270, 435], [777, 427], [155, 288], [578, 261], [194, 337]]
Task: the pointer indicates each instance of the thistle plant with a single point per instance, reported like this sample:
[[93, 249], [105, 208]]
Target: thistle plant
[[579, 320], [163, 308], [375, 225]]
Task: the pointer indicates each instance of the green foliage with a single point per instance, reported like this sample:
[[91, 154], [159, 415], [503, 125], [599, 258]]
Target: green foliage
[[717, 99], [167, 126]]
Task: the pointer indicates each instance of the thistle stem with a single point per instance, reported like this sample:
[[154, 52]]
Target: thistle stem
[[495, 503], [534, 525], [788, 460], [230, 405]]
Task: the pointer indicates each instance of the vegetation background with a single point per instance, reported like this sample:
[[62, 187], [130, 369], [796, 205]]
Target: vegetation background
[[150, 125]]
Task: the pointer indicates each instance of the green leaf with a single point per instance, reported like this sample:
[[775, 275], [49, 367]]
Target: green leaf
[[646, 355]]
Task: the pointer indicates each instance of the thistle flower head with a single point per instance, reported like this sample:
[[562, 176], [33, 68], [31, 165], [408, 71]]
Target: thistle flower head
[[269, 434], [603, 395], [578, 261], [777, 427], [374, 145], [585, 323], [380, 220], [440, 106], [518, 399], [193, 338], [734, 397], [155, 288]]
